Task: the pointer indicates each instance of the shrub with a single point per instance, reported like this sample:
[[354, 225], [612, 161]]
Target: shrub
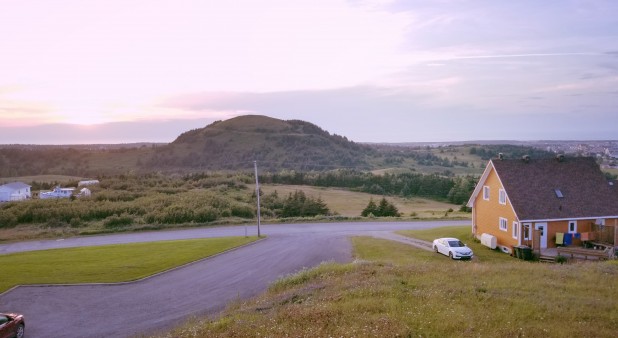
[[242, 211], [7, 219], [56, 223], [115, 221]]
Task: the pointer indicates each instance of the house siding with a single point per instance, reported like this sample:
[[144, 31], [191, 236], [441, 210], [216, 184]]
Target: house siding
[[487, 214], [563, 227]]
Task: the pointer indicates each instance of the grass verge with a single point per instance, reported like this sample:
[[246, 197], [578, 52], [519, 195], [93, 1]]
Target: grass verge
[[109, 263], [396, 290]]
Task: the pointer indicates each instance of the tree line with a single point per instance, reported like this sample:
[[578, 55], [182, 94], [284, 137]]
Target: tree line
[[456, 190]]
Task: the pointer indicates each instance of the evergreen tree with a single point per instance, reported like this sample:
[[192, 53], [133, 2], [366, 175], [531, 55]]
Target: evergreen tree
[[371, 208], [386, 209]]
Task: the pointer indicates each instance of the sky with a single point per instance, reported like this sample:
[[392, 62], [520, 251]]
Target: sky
[[124, 71]]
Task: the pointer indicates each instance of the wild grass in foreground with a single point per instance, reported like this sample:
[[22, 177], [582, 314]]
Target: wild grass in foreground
[[396, 290], [109, 263]]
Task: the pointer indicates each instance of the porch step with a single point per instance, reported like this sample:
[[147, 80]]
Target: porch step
[[547, 259]]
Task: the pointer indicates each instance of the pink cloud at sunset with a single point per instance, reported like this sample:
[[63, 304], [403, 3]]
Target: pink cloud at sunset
[[103, 62]]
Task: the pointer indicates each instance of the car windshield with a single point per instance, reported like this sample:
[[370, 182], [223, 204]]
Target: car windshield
[[455, 244]]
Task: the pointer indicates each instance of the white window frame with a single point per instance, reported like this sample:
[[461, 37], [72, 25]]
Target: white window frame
[[574, 223], [486, 192], [502, 196], [503, 224], [515, 230], [527, 235]]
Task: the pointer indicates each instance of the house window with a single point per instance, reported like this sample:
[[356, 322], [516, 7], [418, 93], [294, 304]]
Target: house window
[[503, 226], [515, 230], [486, 193], [502, 196], [527, 231], [572, 227]]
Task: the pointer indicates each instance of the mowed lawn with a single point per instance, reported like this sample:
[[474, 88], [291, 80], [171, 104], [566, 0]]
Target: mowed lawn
[[351, 203], [109, 263], [395, 290]]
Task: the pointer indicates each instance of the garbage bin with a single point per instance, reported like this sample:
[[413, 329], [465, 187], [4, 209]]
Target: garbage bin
[[526, 252], [517, 252]]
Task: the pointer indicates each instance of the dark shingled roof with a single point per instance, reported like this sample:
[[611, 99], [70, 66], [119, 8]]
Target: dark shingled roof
[[531, 188]]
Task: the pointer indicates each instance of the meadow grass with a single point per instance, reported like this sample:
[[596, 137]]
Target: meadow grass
[[109, 263], [396, 290], [351, 203]]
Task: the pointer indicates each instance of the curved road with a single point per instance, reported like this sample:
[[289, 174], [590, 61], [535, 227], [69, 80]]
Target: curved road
[[201, 288]]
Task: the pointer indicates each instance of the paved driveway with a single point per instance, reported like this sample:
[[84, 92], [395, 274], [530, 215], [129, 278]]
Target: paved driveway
[[201, 288]]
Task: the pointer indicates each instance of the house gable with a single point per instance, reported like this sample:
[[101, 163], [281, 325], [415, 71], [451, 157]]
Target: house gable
[[489, 215]]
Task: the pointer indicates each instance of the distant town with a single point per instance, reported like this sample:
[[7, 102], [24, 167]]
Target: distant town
[[605, 151]]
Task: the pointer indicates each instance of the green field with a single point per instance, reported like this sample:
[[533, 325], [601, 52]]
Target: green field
[[395, 290], [109, 263], [351, 204]]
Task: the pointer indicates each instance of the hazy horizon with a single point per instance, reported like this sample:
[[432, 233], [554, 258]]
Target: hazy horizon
[[98, 135], [376, 71]]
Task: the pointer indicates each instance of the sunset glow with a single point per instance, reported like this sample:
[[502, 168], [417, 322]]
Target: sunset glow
[[324, 61]]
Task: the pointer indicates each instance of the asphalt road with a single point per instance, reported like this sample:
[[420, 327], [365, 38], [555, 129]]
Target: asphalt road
[[202, 288]]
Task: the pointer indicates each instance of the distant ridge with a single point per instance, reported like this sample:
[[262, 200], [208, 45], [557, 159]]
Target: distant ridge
[[276, 144]]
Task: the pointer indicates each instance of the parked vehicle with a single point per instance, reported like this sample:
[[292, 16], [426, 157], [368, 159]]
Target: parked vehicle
[[12, 325], [452, 247]]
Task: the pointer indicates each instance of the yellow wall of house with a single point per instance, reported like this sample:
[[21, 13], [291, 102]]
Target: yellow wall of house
[[487, 213]]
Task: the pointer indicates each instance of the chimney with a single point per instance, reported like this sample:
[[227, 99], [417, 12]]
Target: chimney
[[560, 157], [500, 156], [526, 158]]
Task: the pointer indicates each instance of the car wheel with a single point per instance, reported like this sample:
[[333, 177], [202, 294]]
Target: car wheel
[[20, 331], [450, 254], [435, 248]]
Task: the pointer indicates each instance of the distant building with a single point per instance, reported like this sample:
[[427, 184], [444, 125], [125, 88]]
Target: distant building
[[87, 182], [15, 191], [57, 193], [84, 192]]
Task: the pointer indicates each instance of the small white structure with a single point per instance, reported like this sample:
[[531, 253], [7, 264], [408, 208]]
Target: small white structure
[[57, 193], [87, 182], [84, 192], [15, 191]]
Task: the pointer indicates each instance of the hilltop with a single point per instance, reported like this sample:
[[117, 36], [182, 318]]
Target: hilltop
[[277, 144]]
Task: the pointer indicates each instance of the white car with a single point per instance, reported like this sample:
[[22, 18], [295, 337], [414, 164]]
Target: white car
[[452, 247]]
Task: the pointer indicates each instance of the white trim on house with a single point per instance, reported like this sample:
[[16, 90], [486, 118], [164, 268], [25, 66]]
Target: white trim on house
[[505, 222], [567, 219], [502, 196], [479, 185], [543, 226], [574, 223], [515, 230], [529, 234]]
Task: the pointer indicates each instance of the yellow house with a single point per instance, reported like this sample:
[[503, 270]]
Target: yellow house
[[543, 203]]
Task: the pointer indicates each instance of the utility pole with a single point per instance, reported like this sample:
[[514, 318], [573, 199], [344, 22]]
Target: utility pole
[[257, 193]]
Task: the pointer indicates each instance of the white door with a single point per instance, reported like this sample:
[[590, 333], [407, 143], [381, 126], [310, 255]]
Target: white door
[[542, 227]]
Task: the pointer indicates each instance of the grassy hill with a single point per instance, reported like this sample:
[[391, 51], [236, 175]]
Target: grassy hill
[[235, 143]]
